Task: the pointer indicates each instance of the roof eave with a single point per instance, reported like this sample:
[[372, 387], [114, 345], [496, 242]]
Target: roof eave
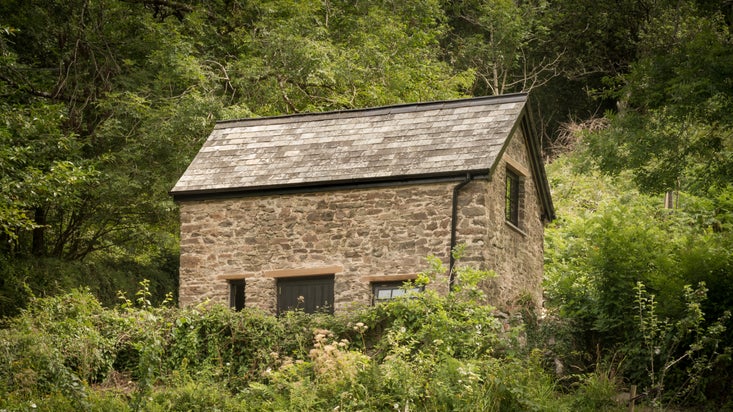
[[324, 186]]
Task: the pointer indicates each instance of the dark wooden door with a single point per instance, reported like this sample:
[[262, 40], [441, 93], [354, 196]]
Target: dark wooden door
[[310, 294]]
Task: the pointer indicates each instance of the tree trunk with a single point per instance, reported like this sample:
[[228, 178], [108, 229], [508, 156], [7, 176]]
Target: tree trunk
[[38, 247]]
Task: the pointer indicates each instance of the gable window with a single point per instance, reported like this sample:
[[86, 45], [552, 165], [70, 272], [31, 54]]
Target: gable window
[[385, 291], [310, 294], [512, 198], [236, 294]]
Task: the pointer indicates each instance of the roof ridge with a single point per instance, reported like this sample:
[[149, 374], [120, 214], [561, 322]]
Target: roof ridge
[[373, 111]]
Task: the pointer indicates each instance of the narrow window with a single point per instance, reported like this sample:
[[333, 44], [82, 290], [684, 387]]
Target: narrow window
[[310, 294], [512, 197], [236, 294], [386, 291]]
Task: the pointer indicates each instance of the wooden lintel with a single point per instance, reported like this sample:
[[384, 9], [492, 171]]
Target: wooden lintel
[[235, 276], [312, 271], [388, 278], [516, 166]]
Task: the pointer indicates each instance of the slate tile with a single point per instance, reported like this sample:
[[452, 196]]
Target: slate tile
[[390, 141]]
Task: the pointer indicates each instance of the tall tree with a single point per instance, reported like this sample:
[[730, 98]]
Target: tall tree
[[107, 101], [86, 115], [499, 40], [338, 54], [675, 128]]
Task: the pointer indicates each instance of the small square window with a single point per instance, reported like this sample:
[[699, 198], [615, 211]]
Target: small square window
[[390, 290], [236, 294], [512, 197]]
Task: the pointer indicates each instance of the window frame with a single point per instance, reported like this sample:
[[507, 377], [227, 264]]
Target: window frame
[[237, 294], [393, 286], [512, 197]]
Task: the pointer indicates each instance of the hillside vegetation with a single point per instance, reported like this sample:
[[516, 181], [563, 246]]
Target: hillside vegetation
[[423, 352], [104, 103]]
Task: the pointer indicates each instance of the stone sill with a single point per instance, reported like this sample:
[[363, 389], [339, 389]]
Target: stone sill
[[516, 229]]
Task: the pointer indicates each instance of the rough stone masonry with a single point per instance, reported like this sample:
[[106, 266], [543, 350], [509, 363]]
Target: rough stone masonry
[[362, 236]]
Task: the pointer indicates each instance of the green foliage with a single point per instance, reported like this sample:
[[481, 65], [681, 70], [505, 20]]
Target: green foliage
[[674, 129], [14, 291], [197, 394], [69, 353], [58, 345], [40, 163], [239, 344], [600, 249], [493, 38], [687, 342], [24, 278], [610, 238], [597, 390], [336, 55]]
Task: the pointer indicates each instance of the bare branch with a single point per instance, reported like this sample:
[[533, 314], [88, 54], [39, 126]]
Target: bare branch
[[167, 3], [281, 82], [38, 93], [228, 84], [177, 6]]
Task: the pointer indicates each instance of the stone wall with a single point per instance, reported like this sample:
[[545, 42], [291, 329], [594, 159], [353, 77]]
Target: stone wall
[[515, 253], [366, 234]]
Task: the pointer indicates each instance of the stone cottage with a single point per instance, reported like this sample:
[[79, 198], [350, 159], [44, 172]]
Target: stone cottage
[[327, 210]]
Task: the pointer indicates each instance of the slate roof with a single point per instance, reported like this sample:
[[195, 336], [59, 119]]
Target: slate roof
[[436, 139]]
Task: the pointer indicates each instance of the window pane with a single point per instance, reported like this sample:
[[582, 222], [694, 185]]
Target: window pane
[[236, 294], [391, 290], [512, 197], [384, 294]]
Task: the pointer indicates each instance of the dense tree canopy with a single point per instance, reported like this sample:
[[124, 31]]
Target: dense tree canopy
[[675, 126], [103, 104]]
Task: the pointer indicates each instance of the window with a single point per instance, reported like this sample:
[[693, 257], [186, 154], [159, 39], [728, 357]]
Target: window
[[236, 294], [310, 294], [512, 197], [385, 291]]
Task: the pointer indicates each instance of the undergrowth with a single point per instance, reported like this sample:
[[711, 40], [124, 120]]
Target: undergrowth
[[421, 352]]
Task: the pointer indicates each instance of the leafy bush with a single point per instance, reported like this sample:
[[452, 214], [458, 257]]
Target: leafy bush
[[55, 346], [612, 237], [14, 290], [423, 352], [21, 279]]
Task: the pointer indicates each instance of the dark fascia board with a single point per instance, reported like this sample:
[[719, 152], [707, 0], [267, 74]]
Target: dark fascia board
[[381, 110], [538, 167], [328, 186]]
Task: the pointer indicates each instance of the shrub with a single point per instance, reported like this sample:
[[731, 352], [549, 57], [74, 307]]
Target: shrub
[[611, 237], [421, 352], [56, 346]]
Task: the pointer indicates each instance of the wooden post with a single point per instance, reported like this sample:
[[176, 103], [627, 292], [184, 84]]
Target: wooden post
[[632, 398]]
